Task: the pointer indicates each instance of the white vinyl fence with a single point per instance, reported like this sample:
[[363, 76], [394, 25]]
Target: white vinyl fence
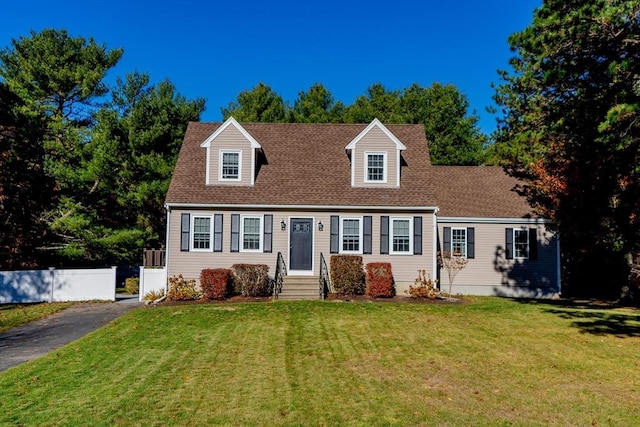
[[152, 279], [54, 285]]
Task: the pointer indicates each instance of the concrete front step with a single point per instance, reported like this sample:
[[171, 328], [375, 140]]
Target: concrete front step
[[298, 297], [300, 288]]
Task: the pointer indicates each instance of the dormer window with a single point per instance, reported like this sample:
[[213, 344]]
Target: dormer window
[[375, 156], [376, 167], [230, 165], [231, 155]]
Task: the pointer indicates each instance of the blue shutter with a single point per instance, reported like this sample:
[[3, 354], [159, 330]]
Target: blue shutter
[[184, 232], [471, 242], [509, 243], [533, 244], [366, 231], [417, 235], [217, 233], [446, 239], [235, 233], [268, 233], [334, 242], [384, 234]]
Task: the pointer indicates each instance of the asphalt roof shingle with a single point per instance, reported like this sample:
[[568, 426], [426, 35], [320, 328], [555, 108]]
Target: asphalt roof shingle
[[478, 192]]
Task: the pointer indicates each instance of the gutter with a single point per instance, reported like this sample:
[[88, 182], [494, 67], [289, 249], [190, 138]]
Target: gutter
[[485, 220], [300, 207]]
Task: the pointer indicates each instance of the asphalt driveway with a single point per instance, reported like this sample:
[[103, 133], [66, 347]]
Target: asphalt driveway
[[35, 339]]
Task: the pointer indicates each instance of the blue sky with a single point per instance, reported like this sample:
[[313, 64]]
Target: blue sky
[[215, 49]]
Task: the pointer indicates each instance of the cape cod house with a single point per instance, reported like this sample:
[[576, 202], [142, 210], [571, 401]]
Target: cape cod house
[[294, 194]]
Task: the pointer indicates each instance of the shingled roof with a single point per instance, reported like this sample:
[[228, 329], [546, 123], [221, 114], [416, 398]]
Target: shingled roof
[[478, 192], [304, 165]]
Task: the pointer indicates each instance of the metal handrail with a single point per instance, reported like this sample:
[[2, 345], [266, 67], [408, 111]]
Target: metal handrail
[[281, 271], [325, 279]]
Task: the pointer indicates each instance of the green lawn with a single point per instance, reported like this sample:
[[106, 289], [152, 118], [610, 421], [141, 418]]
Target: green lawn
[[12, 315], [489, 362]]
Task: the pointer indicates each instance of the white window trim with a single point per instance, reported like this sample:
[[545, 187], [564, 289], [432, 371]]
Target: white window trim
[[260, 233], [384, 166], [524, 230], [193, 230], [402, 218], [220, 154], [360, 235], [464, 246]]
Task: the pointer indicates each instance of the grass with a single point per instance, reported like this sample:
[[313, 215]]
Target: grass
[[490, 362], [12, 315]]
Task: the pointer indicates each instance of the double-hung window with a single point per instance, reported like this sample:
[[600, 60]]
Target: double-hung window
[[251, 233], [459, 242], [376, 170], [230, 162], [401, 236], [351, 235], [521, 243], [201, 236]]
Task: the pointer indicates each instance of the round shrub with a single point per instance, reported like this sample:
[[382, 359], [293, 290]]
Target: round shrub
[[181, 289]]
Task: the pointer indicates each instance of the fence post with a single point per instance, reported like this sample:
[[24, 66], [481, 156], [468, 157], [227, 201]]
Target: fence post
[[52, 276], [141, 290], [114, 279]]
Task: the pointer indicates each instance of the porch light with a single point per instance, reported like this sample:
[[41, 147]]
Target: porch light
[[320, 226], [283, 225]]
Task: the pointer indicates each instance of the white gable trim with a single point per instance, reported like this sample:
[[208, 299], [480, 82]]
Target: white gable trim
[[255, 145], [230, 122], [383, 128]]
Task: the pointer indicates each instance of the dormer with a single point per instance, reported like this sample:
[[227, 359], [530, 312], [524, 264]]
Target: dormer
[[375, 157], [231, 155]]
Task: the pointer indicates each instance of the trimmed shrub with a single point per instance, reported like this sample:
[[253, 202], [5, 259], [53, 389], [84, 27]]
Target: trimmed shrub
[[181, 289], [251, 280], [424, 286], [347, 276], [215, 283], [132, 285], [379, 280]]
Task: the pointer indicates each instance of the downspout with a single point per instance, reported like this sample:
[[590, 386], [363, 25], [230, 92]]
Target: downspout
[[435, 244]]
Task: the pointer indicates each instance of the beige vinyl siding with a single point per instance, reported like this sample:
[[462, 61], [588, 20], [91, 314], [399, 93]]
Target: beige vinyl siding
[[490, 273], [375, 141], [190, 264], [233, 140]]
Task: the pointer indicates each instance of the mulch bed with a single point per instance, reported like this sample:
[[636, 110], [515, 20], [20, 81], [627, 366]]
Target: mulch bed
[[331, 297]]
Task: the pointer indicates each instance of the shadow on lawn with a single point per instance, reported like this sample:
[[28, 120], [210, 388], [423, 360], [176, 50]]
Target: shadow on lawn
[[593, 317]]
